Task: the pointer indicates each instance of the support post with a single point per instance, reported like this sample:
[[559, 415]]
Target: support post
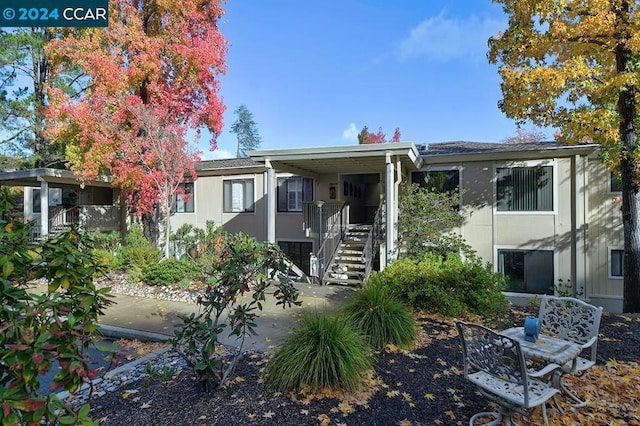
[[44, 208]]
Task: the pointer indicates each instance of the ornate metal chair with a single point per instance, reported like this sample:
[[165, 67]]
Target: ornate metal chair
[[574, 320], [496, 365]]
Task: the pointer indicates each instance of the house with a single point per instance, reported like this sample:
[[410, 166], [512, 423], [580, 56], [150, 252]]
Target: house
[[542, 213]]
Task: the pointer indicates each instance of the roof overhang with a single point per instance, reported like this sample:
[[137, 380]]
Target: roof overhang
[[55, 178], [514, 155], [353, 159]]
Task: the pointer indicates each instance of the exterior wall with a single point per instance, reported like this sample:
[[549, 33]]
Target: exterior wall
[[605, 233], [208, 206], [486, 229]]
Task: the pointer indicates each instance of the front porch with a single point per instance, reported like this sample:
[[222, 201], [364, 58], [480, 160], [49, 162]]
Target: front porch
[[355, 192], [54, 199]]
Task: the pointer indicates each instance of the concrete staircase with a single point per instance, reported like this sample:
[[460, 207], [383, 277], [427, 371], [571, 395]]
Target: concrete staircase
[[348, 265]]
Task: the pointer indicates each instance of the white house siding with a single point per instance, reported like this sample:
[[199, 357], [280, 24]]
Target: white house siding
[[605, 233]]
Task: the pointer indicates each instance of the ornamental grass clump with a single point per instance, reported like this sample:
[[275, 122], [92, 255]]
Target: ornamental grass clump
[[380, 317], [324, 351]]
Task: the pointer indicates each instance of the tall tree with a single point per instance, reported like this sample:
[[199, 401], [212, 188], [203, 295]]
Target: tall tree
[[153, 73], [366, 137], [246, 131], [24, 72], [573, 65], [525, 136]]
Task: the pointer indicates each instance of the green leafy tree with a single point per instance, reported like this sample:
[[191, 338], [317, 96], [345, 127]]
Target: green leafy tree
[[40, 329], [425, 215], [246, 130], [25, 71], [573, 65]]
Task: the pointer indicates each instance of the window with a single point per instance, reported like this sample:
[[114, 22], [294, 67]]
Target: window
[[525, 188], [616, 183], [528, 271], [238, 196], [616, 263], [437, 180], [35, 200], [298, 253], [292, 191], [184, 203]]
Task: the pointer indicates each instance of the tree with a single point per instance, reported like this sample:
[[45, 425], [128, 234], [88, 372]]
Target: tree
[[573, 65], [525, 136], [153, 73], [246, 130], [24, 71], [425, 215], [366, 137]]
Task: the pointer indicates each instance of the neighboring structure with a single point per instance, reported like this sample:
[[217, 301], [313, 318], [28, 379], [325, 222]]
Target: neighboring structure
[[54, 198], [539, 212]]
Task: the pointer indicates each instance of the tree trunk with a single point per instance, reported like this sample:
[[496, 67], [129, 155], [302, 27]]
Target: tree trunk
[[629, 170], [150, 227]]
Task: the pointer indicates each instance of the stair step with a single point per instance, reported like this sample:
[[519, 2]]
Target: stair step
[[347, 251], [350, 265], [350, 258], [341, 281]]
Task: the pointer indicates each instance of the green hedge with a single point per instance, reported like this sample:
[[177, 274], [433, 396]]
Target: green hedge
[[448, 285]]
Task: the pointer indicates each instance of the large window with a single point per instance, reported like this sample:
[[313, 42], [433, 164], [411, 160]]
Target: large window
[[292, 191], [616, 263], [437, 180], [298, 253], [528, 271], [184, 202], [525, 188], [238, 196]]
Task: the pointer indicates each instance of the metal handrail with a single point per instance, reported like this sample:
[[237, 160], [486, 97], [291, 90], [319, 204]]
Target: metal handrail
[[373, 241], [336, 226]]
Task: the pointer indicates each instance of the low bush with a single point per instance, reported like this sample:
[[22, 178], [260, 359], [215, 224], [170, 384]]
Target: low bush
[[380, 317], [106, 259], [106, 241], [168, 271], [323, 351], [448, 285], [138, 251]]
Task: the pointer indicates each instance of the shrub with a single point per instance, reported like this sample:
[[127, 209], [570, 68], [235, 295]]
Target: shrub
[[243, 267], [448, 285], [39, 329], [379, 316], [106, 241], [323, 351], [168, 271], [137, 250], [106, 259]]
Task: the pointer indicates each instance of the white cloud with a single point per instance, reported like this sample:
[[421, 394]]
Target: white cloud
[[442, 38], [350, 134], [218, 154]]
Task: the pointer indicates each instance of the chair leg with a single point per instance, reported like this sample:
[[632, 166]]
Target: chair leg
[[579, 403], [497, 418]]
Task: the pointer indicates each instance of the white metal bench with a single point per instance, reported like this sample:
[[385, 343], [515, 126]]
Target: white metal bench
[[574, 320], [496, 365]]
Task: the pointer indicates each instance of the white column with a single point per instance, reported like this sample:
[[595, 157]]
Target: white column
[[44, 208], [389, 194], [580, 198], [271, 203]]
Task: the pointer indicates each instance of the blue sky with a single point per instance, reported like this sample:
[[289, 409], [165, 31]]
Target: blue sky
[[313, 73]]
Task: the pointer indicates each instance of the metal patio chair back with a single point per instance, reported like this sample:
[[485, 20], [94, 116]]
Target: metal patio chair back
[[572, 319], [496, 365]]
